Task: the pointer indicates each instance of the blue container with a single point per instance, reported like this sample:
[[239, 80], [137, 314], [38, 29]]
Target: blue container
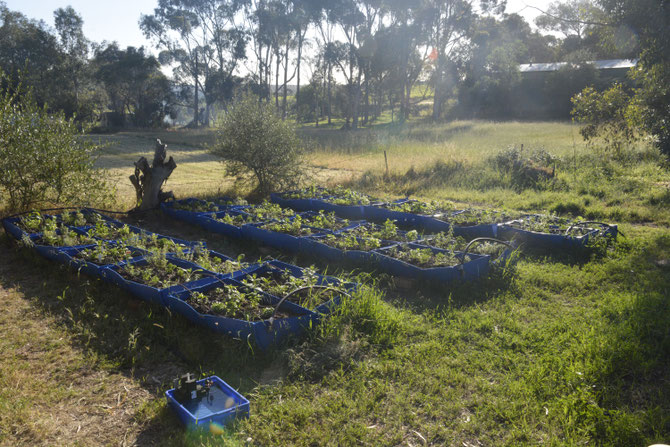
[[180, 214], [265, 333], [296, 204], [475, 231], [551, 242], [322, 280], [152, 294], [222, 407], [473, 269], [313, 245], [249, 268], [91, 268], [215, 226], [12, 229]]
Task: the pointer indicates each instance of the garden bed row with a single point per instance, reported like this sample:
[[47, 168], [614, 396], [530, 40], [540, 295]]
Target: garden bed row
[[532, 231], [264, 302], [440, 259]]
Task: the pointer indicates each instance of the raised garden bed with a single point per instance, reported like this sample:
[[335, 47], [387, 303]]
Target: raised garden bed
[[302, 286], [432, 264], [231, 308], [539, 232], [151, 278]]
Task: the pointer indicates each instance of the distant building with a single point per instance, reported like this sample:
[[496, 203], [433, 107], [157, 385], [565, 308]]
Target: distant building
[[546, 88]]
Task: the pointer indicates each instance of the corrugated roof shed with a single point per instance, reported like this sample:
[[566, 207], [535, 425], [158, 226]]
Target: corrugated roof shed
[[600, 65]]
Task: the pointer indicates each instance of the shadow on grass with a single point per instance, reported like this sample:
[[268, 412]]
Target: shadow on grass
[[139, 340]]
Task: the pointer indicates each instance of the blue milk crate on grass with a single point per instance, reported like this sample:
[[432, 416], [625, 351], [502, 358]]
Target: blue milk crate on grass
[[477, 267], [559, 241], [152, 294], [265, 332], [90, 268], [221, 406], [322, 280]]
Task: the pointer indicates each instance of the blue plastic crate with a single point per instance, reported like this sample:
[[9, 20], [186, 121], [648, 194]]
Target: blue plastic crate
[[313, 245], [296, 204], [87, 267], [551, 242], [477, 267], [153, 294], [329, 306], [265, 332], [222, 407]]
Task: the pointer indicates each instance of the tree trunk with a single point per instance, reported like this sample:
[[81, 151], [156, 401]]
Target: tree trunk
[[148, 180], [285, 95], [300, 42], [196, 106]]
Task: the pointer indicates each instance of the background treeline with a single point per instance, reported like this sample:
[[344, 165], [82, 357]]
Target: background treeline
[[315, 60]]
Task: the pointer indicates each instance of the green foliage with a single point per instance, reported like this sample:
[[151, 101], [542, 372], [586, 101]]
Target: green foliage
[[253, 139], [610, 116], [526, 170], [43, 157]]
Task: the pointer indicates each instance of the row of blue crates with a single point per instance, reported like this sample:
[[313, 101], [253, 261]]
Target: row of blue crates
[[176, 298], [476, 267], [377, 211]]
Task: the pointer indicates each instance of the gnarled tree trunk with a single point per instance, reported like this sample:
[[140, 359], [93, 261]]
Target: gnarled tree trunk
[[148, 180]]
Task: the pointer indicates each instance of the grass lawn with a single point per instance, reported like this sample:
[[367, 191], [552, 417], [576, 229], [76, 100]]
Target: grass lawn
[[558, 351]]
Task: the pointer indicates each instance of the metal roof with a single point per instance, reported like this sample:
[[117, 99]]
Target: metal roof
[[600, 65]]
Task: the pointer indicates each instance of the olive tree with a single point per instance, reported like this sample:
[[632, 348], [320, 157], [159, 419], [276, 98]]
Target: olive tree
[[252, 139], [44, 158]]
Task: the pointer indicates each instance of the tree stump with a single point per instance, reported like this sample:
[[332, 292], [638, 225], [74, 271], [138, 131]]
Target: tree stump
[[148, 180]]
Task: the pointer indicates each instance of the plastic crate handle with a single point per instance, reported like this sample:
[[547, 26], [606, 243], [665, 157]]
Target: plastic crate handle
[[481, 239]]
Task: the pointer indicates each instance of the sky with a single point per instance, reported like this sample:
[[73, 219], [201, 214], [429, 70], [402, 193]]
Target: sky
[[117, 20]]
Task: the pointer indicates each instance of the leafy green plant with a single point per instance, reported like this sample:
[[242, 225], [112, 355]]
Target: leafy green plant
[[327, 221], [159, 272], [233, 302], [389, 231], [104, 254], [293, 227], [267, 211], [474, 216], [253, 140], [280, 283], [43, 156], [236, 220], [350, 241], [418, 207], [424, 257]]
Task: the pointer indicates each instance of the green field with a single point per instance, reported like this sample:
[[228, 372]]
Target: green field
[[557, 351]]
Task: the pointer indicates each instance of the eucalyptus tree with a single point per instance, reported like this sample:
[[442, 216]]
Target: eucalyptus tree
[[201, 38]]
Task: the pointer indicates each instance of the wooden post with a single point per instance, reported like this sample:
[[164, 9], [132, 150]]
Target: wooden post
[[386, 161]]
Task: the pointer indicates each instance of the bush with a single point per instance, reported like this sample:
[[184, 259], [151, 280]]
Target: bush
[[253, 139], [43, 157], [610, 115], [534, 170]]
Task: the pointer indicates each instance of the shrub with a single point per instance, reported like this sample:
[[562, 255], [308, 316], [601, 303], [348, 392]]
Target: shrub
[[43, 157], [253, 139], [610, 115], [534, 170]]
